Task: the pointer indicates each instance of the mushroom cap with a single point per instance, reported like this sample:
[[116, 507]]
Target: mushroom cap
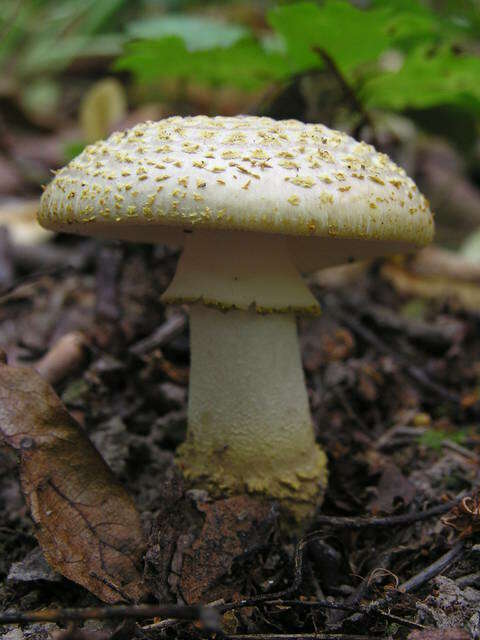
[[242, 173]]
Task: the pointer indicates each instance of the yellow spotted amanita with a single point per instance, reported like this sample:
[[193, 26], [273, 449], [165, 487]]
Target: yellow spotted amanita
[[254, 202]]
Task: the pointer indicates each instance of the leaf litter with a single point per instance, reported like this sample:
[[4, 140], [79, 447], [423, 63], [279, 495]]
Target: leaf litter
[[85, 522], [128, 393]]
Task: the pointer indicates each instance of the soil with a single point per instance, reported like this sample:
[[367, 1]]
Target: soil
[[393, 384]]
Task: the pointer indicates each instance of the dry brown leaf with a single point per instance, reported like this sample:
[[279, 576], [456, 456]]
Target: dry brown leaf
[[436, 273], [465, 517], [20, 218], [234, 528], [392, 488], [86, 523], [63, 358]]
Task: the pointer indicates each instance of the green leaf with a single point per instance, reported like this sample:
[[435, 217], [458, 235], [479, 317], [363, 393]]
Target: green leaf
[[427, 79], [196, 32], [396, 55], [349, 35], [57, 32], [73, 148], [245, 64], [412, 23], [434, 438]]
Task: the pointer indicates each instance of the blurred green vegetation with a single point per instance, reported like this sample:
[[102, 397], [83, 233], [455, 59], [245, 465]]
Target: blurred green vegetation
[[394, 55], [435, 438]]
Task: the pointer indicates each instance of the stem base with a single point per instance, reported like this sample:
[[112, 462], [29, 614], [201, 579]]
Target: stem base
[[249, 423]]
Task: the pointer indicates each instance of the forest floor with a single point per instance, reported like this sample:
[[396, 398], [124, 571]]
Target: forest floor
[[393, 384]]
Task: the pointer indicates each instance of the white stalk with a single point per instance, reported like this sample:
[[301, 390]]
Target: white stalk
[[238, 270], [249, 423]]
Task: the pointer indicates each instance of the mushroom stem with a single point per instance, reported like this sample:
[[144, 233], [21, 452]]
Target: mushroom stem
[[238, 270], [249, 424]]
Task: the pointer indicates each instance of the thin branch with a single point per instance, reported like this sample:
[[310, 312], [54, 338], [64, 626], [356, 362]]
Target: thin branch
[[414, 582], [326, 604], [349, 523], [387, 521], [208, 614], [166, 332], [433, 569], [117, 612], [346, 87], [361, 610], [33, 277]]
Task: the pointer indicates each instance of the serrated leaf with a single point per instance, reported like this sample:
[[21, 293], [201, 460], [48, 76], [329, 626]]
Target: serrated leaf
[[349, 35], [412, 23], [427, 79], [197, 32], [245, 64]]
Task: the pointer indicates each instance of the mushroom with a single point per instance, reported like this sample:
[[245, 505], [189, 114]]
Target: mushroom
[[254, 203]]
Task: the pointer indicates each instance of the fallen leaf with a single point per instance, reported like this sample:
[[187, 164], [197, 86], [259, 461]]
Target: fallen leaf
[[20, 218], [340, 276], [63, 358], [465, 517], [203, 549], [233, 528], [86, 523], [392, 488], [32, 568], [438, 274]]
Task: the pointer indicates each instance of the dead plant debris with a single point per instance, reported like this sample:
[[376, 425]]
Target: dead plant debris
[[387, 376], [85, 522]]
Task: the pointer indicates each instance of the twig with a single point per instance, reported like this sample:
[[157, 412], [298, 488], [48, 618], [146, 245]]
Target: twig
[[434, 569], [209, 614], [51, 256], [117, 612], [361, 523], [348, 408], [13, 532], [457, 448], [349, 523], [387, 521], [326, 604], [468, 580], [63, 358], [374, 607], [167, 623], [31, 278], [414, 582], [166, 332], [434, 335], [347, 89]]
